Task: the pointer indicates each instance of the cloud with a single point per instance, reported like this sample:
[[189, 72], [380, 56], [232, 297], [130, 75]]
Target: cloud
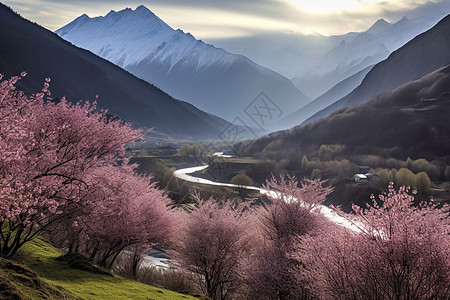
[[232, 18]]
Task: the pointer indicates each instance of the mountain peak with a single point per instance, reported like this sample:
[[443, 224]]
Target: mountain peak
[[111, 12], [80, 21], [144, 11], [81, 18], [137, 19], [142, 8], [380, 22], [403, 20], [379, 26]]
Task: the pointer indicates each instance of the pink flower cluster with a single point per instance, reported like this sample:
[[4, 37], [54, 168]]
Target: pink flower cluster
[[63, 164]]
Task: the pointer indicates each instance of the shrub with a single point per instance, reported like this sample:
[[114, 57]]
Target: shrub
[[422, 183], [242, 180], [405, 177]]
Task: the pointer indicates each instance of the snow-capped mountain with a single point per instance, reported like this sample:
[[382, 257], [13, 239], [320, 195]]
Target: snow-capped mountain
[[79, 75], [188, 69], [343, 61], [316, 63], [423, 54], [352, 56], [130, 36]]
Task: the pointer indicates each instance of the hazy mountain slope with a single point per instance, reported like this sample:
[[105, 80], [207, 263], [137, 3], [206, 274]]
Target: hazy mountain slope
[[340, 90], [341, 62], [79, 74], [287, 54], [418, 57], [207, 77], [301, 57], [364, 49], [413, 120], [297, 56]]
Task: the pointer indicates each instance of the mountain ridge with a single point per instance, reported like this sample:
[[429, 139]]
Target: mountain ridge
[[426, 52], [355, 54], [184, 67], [338, 91], [78, 74], [409, 121]]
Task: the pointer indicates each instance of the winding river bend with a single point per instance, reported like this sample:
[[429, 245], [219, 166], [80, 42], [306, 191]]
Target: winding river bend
[[184, 174]]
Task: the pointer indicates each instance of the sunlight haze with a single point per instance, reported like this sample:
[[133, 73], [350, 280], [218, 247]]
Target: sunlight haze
[[227, 19]]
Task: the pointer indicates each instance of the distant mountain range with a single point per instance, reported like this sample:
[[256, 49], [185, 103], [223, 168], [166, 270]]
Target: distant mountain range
[[400, 109], [340, 90], [357, 53], [410, 121], [423, 54], [79, 74], [141, 42], [328, 68], [316, 63], [353, 53], [209, 78]]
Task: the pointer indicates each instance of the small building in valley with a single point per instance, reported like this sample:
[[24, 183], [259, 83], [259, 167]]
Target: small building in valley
[[363, 174], [360, 178]]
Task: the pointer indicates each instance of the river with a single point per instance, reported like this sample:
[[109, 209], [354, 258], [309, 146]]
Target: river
[[184, 174]]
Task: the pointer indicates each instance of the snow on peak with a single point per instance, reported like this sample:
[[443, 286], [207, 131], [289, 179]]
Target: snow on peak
[[111, 12], [403, 23], [142, 8], [379, 26], [403, 20], [128, 37], [82, 18], [380, 22]]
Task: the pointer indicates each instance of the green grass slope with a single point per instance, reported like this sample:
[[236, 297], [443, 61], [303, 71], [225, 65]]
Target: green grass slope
[[45, 275], [20, 282]]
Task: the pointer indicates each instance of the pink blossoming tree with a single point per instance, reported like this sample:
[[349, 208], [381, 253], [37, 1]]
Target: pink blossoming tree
[[121, 211], [210, 244], [400, 251], [290, 216], [61, 162]]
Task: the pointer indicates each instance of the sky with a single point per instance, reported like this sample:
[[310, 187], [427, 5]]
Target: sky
[[215, 19]]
